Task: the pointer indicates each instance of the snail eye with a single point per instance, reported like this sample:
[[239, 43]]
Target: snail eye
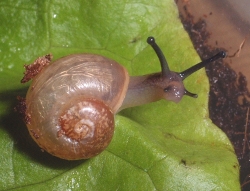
[[167, 89]]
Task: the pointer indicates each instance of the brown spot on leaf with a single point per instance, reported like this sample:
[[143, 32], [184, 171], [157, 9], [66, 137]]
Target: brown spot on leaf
[[184, 162]]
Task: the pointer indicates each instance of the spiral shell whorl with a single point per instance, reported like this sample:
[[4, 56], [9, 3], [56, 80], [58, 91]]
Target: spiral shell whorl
[[89, 122]]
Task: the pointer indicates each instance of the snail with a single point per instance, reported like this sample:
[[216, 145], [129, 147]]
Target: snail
[[71, 103]]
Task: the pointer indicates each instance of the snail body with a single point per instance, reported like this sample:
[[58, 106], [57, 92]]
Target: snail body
[[71, 103]]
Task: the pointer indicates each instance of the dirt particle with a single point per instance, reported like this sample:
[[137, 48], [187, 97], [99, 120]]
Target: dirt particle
[[35, 68], [21, 109]]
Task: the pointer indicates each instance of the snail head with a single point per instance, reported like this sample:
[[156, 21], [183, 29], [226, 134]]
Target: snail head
[[171, 83]]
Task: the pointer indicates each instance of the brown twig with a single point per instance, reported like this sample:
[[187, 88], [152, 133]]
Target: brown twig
[[245, 183], [241, 133], [245, 134], [237, 53]]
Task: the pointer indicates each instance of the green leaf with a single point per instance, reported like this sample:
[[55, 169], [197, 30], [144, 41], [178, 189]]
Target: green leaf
[[158, 146]]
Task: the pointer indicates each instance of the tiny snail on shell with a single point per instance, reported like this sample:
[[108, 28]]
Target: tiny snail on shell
[[70, 105]]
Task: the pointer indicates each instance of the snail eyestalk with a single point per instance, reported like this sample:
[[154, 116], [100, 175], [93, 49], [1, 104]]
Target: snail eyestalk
[[202, 64], [187, 93], [198, 66], [164, 64]]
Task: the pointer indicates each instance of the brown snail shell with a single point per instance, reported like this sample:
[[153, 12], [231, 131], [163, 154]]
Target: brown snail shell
[[72, 101]]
